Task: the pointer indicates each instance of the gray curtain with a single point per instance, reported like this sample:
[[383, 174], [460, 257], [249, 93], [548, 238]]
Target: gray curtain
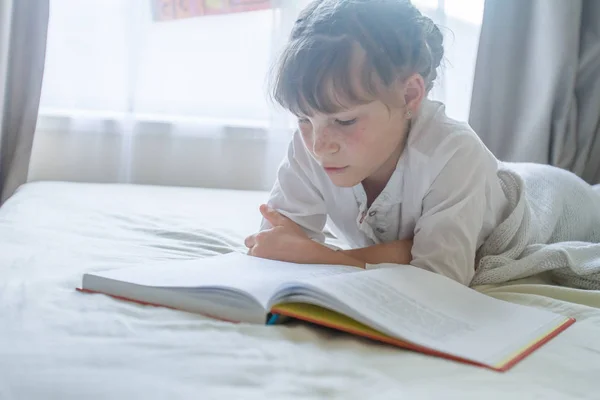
[[23, 30], [536, 94]]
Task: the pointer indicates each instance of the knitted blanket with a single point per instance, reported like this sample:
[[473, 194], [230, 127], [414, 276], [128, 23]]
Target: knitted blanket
[[552, 225]]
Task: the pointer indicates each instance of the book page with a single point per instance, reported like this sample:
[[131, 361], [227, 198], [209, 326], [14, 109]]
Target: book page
[[255, 276], [434, 311]]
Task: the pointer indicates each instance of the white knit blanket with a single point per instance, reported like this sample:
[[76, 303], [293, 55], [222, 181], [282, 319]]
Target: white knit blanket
[[552, 225]]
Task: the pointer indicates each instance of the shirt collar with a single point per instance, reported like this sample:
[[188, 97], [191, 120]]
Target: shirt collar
[[391, 193]]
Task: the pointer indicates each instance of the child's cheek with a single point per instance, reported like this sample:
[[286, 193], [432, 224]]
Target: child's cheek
[[357, 134], [306, 132]]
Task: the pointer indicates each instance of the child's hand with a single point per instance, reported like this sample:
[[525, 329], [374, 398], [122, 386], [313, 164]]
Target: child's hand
[[278, 220], [285, 241]]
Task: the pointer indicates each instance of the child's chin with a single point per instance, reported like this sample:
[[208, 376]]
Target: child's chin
[[344, 181]]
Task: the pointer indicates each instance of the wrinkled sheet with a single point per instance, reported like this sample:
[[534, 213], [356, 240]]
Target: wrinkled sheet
[[56, 343]]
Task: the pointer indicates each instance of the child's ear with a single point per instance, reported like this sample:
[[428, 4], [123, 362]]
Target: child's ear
[[414, 92]]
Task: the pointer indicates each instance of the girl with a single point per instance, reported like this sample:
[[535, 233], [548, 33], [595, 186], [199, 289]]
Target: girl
[[399, 181]]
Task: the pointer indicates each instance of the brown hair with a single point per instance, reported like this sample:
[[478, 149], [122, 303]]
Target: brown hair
[[313, 72]]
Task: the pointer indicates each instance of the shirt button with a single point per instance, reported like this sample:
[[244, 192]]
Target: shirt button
[[380, 230], [372, 213]]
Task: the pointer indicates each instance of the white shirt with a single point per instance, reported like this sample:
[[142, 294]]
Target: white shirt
[[444, 193]]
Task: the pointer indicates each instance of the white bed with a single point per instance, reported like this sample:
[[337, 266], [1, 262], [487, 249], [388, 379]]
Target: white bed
[[56, 343]]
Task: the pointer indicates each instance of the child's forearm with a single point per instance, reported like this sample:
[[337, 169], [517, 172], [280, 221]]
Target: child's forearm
[[396, 252], [325, 255]]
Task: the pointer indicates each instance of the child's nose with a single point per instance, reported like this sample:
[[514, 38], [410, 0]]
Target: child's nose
[[323, 143]]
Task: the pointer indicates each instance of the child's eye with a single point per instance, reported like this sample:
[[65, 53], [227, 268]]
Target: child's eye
[[347, 122], [303, 121]]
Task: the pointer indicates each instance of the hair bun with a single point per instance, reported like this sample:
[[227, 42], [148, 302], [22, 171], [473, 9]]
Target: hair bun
[[435, 44]]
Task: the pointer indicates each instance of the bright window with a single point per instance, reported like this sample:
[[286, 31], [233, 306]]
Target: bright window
[[112, 58]]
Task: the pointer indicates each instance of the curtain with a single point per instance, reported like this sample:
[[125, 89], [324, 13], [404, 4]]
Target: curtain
[[23, 29], [182, 100], [536, 95]]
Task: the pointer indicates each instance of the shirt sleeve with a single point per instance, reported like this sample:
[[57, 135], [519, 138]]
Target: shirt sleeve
[[446, 235], [295, 192]]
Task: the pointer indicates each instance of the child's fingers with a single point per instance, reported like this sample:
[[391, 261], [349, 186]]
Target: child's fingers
[[250, 241], [272, 216], [265, 210]]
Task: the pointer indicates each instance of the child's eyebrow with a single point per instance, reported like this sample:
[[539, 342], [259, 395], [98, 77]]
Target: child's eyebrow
[[353, 109]]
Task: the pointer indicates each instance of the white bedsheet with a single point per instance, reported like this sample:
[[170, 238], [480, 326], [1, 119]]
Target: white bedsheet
[[56, 343]]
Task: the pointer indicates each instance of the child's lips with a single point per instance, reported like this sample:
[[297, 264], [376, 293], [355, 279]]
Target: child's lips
[[334, 170]]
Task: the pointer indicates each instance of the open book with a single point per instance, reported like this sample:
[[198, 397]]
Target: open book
[[401, 305]]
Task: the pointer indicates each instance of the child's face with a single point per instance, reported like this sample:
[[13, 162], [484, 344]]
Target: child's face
[[359, 143]]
